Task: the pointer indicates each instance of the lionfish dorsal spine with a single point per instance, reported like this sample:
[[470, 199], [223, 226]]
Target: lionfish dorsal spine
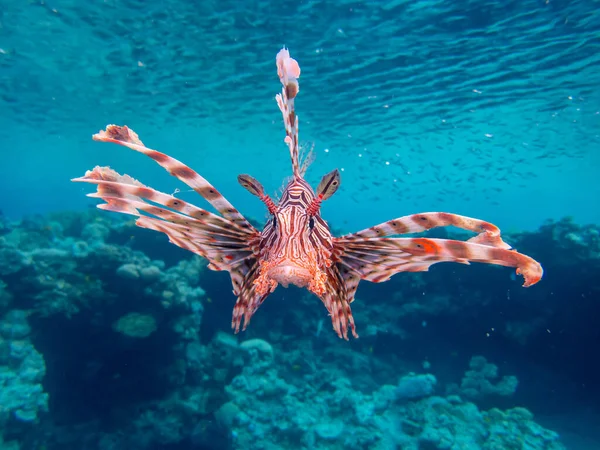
[[289, 72]]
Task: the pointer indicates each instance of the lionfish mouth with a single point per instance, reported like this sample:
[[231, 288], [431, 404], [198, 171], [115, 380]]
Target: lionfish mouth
[[287, 273]]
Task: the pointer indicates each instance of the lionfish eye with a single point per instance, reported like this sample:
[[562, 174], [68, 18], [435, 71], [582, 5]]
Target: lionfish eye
[[311, 223]]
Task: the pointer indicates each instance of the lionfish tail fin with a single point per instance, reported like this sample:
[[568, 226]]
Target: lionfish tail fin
[[289, 72]]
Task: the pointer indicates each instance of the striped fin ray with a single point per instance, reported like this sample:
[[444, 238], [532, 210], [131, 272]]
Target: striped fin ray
[[336, 300], [289, 72], [219, 240], [248, 300], [122, 135], [377, 259], [489, 234], [223, 243], [221, 255], [111, 185], [305, 159]]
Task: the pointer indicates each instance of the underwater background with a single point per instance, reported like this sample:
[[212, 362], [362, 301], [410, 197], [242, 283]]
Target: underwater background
[[112, 338]]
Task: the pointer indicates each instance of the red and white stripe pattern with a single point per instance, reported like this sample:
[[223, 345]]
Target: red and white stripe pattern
[[289, 72], [296, 245], [229, 242]]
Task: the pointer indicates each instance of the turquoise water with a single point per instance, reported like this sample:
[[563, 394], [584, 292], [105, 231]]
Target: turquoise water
[[489, 109], [113, 339]]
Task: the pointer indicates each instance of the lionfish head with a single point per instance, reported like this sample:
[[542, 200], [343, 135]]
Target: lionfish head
[[296, 242]]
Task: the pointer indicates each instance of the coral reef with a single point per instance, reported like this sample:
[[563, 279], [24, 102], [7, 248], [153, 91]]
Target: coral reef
[[416, 386], [146, 347], [265, 411], [136, 325], [482, 380], [22, 368]]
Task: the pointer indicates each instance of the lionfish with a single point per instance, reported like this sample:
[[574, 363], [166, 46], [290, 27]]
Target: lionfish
[[296, 245]]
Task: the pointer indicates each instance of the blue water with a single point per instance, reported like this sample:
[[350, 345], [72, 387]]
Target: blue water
[[483, 108], [418, 84]]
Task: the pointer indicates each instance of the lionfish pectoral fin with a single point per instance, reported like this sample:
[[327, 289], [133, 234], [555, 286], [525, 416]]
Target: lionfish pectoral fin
[[217, 239], [377, 259], [228, 242], [488, 233], [125, 136]]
